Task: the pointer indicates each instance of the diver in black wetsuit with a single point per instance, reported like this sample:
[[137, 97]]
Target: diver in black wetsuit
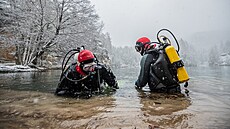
[[85, 78], [155, 69]]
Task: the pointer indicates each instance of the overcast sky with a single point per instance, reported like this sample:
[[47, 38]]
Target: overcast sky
[[127, 20]]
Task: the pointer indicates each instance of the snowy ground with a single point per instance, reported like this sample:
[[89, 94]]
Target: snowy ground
[[11, 67], [225, 59]]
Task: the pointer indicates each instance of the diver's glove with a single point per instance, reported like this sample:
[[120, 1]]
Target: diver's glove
[[137, 87], [116, 85]]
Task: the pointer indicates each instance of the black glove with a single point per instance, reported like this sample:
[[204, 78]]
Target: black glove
[[116, 85], [138, 87], [136, 83]]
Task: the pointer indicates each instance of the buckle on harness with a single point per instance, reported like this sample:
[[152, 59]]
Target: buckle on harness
[[178, 64]]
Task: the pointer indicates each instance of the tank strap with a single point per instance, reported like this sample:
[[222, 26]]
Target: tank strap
[[178, 64]]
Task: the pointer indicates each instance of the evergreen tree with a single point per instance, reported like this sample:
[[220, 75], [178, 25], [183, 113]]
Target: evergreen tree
[[213, 58], [188, 53]]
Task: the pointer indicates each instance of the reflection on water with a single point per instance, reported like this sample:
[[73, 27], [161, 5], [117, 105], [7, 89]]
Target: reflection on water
[[24, 103], [23, 109], [33, 81], [210, 88], [162, 104]]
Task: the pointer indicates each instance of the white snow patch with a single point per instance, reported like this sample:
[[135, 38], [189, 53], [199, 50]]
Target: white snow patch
[[15, 68]]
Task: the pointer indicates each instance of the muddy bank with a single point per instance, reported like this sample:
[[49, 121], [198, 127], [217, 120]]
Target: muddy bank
[[27, 109]]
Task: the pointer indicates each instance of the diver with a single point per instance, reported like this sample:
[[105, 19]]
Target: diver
[[85, 77], [156, 68]]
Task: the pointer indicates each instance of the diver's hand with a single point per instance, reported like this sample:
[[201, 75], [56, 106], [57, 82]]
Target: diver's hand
[[138, 87], [116, 85]]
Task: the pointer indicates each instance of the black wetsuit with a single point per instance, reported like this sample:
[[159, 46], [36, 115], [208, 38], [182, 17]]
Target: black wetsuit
[[156, 71], [85, 84]]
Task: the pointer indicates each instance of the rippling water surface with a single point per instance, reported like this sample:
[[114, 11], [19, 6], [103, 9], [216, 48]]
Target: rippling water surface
[[30, 95]]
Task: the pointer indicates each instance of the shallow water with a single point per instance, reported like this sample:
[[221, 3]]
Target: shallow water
[[27, 101]]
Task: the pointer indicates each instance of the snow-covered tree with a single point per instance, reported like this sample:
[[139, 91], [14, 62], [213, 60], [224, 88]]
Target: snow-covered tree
[[39, 25], [226, 47], [214, 55], [103, 49], [4, 14], [125, 57], [187, 53]]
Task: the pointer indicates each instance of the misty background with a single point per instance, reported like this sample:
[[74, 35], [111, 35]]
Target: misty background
[[130, 19], [201, 26], [42, 32]]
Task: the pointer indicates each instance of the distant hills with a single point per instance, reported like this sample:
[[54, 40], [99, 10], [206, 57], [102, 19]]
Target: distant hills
[[207, 39]]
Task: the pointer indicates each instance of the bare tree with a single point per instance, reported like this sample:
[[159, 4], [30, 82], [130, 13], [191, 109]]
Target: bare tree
[[4, 14], [39, 25]]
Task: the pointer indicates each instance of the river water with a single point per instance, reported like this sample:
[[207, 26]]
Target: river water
[[27, 101]]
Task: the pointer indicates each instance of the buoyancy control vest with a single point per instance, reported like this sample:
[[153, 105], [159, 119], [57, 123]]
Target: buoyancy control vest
[[160, 71]]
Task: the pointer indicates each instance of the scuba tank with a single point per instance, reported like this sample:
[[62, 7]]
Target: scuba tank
[[173, 56], [175, 60]]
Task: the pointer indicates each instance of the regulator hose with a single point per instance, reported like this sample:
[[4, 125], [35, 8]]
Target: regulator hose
[[178, 46], [63, 62], [63, 68]]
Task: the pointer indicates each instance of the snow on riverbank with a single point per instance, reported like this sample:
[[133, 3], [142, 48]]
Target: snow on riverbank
[[16, 68], [12, 67], [224, 59]]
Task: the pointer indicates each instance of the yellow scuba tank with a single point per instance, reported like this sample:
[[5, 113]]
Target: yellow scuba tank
[[173, 56]]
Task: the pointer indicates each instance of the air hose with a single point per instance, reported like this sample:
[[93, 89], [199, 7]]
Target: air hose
[[75, 51], [165, 38], [63, 62]]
